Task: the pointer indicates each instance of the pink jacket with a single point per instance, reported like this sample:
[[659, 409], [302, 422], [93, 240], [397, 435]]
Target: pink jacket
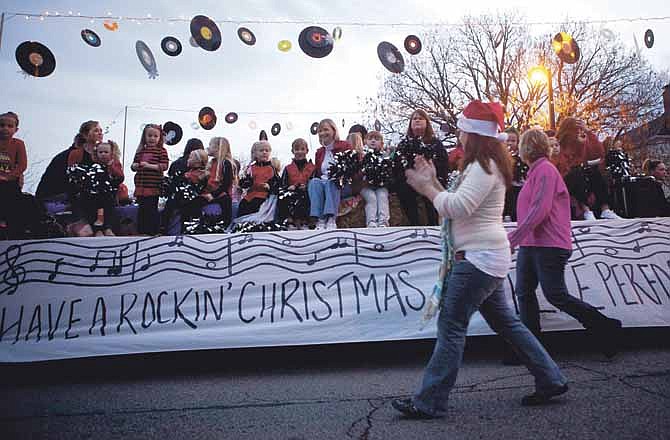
[[543, 209]]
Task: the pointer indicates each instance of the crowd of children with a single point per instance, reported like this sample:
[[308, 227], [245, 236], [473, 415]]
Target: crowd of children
[[301, 196]]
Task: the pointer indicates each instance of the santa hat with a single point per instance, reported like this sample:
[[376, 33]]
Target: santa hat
[[484, 118]]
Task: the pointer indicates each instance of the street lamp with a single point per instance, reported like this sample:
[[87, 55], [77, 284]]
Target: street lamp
[[541, 74]]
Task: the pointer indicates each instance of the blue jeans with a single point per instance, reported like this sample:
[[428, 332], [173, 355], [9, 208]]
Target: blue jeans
[[324, 198], [468, 290], [546, 266]]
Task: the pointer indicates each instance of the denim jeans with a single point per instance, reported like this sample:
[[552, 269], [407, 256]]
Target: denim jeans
[[546, 266], [324, 198], [468, 290]]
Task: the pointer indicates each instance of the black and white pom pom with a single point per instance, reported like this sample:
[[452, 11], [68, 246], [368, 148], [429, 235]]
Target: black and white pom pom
[[377, 169], [180, 190], [408, 149], [248, 227], [204, 225], [618, 164], [293, 199], [89, 179], [344, 167], [520, 169]]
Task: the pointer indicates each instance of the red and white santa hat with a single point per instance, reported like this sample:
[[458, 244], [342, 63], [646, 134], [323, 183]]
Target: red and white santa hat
[[484, 118]]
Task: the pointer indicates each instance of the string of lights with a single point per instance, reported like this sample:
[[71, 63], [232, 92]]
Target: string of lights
[[150, 19]]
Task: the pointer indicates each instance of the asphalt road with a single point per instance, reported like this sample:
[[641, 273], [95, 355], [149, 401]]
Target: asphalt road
[[338, 392]]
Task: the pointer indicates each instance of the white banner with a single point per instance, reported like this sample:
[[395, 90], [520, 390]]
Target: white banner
[[76, 297]]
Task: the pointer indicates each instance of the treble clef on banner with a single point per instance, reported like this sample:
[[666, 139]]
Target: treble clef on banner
[[14, 275]]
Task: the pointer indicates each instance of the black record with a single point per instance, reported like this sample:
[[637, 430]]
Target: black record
[[262, 136], [649, 38], [146, 58], [171, 46], [390, 57], [90, 38], [231, 117], [35, 58], [246, 36], [315, 42], [276, 129], [566, 48], [207, 118], [205, 33], [173, 133], [413, 44], [314, 129], [378, 125]]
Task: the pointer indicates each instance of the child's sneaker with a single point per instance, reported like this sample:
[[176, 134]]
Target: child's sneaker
[[331, 223], [609, 214], [372, 224], [321, 224], [588, 215]]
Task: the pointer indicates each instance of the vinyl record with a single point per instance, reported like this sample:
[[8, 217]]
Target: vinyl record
[[315, 42], [231, 117], [35, 59], [276, 129], [147, 59], [337, 33], [649, 38], [205, 33], [207, 118], [284, 45], [390, 57], [246, 36], [111, 25], [262, 136], [90, 38], [413, 44], [252, 124], [173, 133], [192, 42], [171, 46], [566, 48], [314, 129]]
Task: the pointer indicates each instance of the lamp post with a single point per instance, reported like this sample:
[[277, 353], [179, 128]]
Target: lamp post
[[539, 74]]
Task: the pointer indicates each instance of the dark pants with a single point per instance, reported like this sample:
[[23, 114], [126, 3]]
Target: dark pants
[[511, 197], [10, 201], [546, 266], [581, 182], [408, 202], [148, 219], [194, 208], [249, 207]]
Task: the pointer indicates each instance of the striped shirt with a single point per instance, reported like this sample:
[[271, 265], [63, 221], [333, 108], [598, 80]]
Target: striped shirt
[[147, 181]]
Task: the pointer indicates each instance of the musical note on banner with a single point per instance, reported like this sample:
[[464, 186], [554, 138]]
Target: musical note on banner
[[339, 245], [247, 239], [644, 227], [15, 274], [117, 269], [378, 247], [415, 234], [98, 254], [313, 260], [637, 247], [57, 263]]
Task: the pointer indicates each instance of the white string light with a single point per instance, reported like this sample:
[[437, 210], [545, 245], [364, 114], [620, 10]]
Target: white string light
[[149, 18]]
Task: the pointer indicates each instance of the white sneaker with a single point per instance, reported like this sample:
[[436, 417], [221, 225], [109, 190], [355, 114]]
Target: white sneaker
[[331, 223], [383, 225], [609, 214], [588, 215], [372, 224], [321, 224]]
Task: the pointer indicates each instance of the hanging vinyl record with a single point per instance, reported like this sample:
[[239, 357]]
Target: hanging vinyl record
[[566, 48], [315, 42], [649, 38], [337, 33], [314, 129], [231, 117], [262, 136], [112, 26], [412, 44], [276, 129], [246, 36], [90, 38], [284, 45], [147, 59], [35, 59], [207, 118], [171, 46], [378, 125], [205, 33], [390, 57], [192, 42], [173, 133]]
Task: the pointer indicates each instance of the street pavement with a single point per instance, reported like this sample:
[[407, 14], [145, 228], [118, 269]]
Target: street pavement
[[338, 392]]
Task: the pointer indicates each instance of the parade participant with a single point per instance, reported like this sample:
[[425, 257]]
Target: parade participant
[[261, 172], [295, 178], [107, 154], [324, 194], [376, 198], [222, 175], [420, 129], [13, 163], [150, 162], [482, 260], [544, 236], [180, 165]]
